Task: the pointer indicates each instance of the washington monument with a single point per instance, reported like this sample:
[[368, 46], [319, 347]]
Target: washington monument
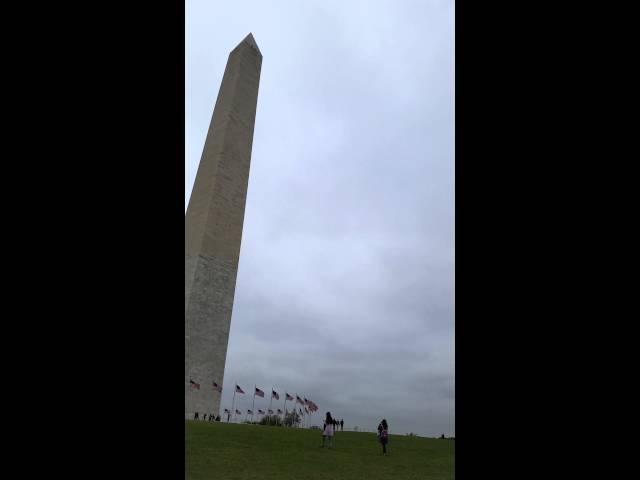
[[213, 229]]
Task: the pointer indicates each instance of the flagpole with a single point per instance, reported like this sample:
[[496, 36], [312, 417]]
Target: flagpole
[[284, 407], [233, 402], [253, 407]]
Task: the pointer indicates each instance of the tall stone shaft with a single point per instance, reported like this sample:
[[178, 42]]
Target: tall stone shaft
[[213, 228]]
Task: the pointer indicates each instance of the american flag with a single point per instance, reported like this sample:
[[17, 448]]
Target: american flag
[[270, 411], [259, 392], [306, 402], [249, 412], [279, 411], [217, 387], [238, 389], [226, 410], [288, 397], [299, 400], [275, 395], [194, 384], [261, 412], [238, 412]]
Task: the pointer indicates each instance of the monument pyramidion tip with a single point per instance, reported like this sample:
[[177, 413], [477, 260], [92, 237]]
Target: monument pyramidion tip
[[249, 40]]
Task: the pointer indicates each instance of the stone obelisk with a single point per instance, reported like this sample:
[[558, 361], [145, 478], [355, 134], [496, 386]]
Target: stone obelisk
[[213, 228]]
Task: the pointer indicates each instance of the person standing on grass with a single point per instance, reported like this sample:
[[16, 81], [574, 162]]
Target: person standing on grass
[[342, 425], [383, 435], [327, 431]]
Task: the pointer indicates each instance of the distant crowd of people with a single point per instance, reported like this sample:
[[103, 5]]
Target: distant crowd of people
[[205, 418], [335, 423]]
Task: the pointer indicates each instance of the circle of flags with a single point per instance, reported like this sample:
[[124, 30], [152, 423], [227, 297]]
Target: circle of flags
[[309, 406]]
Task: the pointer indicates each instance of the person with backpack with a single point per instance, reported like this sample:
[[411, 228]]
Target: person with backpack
[[327, 431], [383, 435]]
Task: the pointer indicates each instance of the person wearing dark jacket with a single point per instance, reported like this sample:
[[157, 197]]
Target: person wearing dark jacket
[[383, 435]]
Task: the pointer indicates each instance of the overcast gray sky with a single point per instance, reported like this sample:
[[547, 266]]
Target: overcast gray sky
[[345, 290]]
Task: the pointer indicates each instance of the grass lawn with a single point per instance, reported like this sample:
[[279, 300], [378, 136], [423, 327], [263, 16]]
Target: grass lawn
[[235, 451]]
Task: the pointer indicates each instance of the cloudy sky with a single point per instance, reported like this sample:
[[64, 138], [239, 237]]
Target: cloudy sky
[[345, 290]]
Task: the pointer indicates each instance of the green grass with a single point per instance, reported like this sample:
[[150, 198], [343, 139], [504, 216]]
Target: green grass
[[242, 452]]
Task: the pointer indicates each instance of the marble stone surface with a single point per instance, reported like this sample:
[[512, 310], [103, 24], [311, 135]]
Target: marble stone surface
[[213, 228]]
